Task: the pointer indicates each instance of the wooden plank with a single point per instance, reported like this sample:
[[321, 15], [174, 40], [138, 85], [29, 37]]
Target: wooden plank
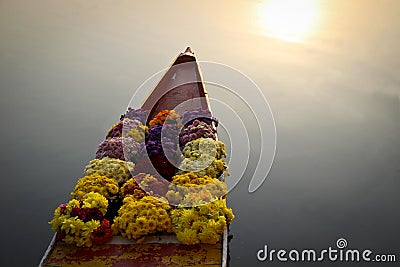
[[156, 250], [136, 255]]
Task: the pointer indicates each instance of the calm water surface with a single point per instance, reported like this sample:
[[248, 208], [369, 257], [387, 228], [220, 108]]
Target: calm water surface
[[329, 69]]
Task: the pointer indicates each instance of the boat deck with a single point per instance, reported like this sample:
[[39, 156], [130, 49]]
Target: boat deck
[[156, 250]]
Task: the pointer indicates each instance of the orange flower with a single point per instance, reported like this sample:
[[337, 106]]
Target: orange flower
[[164, 115]]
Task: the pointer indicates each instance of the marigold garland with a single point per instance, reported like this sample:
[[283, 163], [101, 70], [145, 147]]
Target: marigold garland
[[116, 169], [103, 185], [138, 218]]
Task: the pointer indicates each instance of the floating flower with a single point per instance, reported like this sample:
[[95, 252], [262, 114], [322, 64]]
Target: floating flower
[[116, 169]]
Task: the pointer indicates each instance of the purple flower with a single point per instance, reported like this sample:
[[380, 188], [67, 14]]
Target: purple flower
[[197, 129], [62, 208], [92, 214], [203, 115], [120, 148], [136, 114]]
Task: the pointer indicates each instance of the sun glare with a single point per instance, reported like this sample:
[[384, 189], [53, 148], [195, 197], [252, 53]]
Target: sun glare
[[289, 20]]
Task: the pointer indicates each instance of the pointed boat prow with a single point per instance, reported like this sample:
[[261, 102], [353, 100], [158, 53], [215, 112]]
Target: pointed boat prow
[[181, 88]]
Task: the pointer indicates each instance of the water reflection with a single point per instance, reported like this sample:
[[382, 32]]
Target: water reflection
[[289, 20], [68, 69]]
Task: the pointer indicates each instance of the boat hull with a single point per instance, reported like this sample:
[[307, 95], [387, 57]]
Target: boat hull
[[156, 250]]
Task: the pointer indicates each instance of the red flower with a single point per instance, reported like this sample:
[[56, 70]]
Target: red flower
[[60, 236], [103, 233]]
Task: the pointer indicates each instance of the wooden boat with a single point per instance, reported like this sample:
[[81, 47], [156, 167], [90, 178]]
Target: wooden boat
[[181, 84]]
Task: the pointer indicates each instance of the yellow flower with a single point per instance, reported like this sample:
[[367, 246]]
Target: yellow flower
[[206, 222], [95, 200], [96, 183], [188, 217], [137, 218], [116, 169], [187, 236], [209, 236], [151, 224], [73, 203]]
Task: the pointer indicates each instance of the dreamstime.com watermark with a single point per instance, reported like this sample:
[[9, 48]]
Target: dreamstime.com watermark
[[340, 253]]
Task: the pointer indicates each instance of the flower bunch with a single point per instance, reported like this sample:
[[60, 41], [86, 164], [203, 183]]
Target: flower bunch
[[116, 169], [204, 146], [203, 156], [163, 140], [136, 114], [128, 128], [152, 185], [115, 130], [138, 218], [189, 189], [162, 151], [93, 200], [102, 234], [203, 115], [204, 166], [81, 222], [123, 148], [195, 130], [130, 187], [101, 184], [202, 224], [134, 129], [167, 116]]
